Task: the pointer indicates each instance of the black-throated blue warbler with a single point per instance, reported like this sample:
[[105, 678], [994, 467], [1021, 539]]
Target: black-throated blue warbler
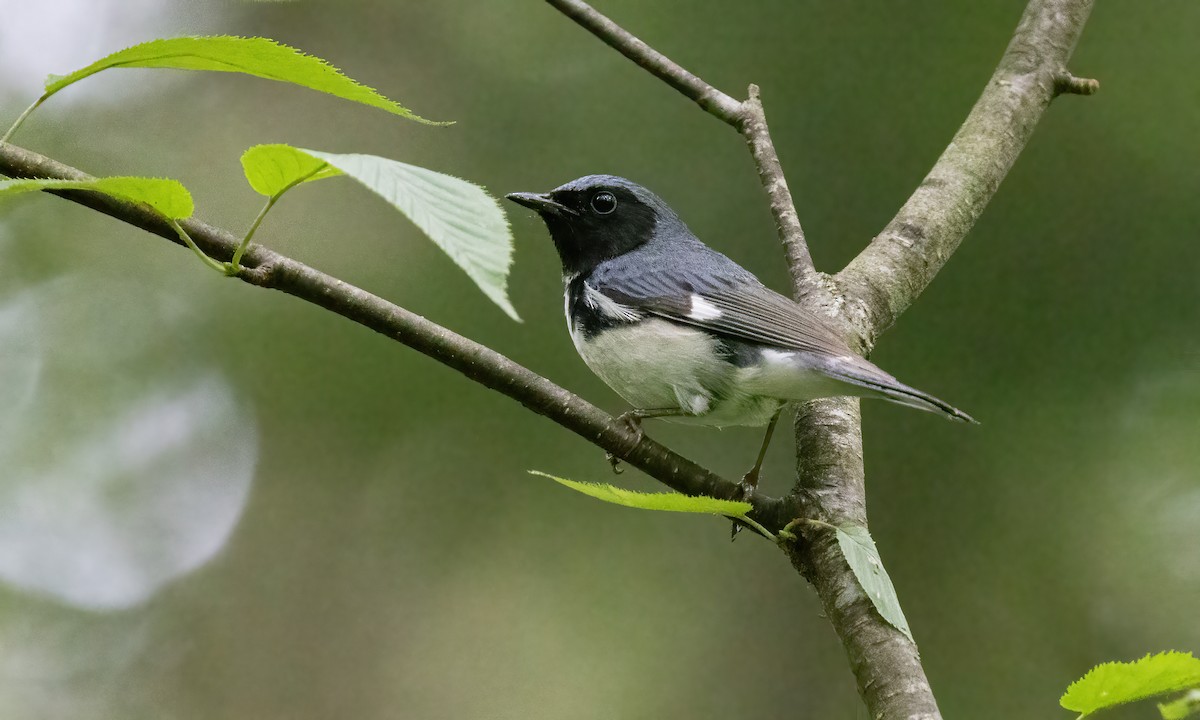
[[683, 332]]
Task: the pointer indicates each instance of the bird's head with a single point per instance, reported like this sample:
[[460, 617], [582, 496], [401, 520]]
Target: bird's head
[[597, 218]]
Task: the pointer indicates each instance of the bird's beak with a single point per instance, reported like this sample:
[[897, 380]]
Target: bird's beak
[[541, 202]]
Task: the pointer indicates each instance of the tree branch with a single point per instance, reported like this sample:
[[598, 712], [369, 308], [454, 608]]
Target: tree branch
[[867, 297], [903, 259], [876, 287], [746, 117], [268, 269], [713, 101]]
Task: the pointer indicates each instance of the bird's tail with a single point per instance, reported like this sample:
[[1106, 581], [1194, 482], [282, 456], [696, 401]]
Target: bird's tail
[[879, 384]]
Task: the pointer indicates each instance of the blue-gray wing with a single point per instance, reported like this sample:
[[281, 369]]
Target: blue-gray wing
[[705, 289], [714, 293]]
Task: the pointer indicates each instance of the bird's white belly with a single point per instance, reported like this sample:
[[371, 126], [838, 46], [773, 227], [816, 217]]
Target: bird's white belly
[[657, 364]]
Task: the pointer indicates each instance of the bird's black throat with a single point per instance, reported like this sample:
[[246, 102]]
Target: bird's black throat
[[600, 217], [586, 239]]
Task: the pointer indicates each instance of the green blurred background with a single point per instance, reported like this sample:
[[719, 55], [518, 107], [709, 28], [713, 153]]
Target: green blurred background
[[217, 502]]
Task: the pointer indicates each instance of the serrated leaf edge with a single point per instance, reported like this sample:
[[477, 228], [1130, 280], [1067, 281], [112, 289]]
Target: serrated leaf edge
[[900, 623], [575, 485], [1148, 658]]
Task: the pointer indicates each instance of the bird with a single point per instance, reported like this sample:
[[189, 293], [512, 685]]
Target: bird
[[684, 333]]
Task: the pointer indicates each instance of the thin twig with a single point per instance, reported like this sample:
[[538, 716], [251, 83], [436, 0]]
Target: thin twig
[[746, 117], [269, 269], [713, 101], [770, 173]]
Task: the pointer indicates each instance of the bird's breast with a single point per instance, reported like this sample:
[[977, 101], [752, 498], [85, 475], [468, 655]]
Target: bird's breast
[[590, 312], [655, 363]]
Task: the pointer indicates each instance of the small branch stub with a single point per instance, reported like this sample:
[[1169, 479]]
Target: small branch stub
[[1067, 84]]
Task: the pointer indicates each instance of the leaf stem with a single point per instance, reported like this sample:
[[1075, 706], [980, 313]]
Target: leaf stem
[[235, 265], [22, 116], [187, 240], [759, 529]]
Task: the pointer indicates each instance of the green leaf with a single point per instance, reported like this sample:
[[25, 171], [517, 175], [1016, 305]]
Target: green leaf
[[668, 501], [272, 169], [863, 558], [1116, 683], [256, 56], [461, 218], [169, 197], [1179, 709]]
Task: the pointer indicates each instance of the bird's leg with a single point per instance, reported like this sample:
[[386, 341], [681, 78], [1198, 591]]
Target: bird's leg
[[632, 419], [750, 480]]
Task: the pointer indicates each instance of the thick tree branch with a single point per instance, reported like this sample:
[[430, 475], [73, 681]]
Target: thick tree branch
[[268, 269], [831, 487], [903, 259], [867, 297], [880, 284], [746, 117]]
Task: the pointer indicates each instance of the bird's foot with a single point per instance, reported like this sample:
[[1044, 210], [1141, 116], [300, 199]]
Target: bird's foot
[[631, 419]]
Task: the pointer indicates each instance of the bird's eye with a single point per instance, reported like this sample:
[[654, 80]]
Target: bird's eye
[[604, 202]]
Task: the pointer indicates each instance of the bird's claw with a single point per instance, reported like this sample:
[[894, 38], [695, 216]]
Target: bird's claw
[[632, 420]]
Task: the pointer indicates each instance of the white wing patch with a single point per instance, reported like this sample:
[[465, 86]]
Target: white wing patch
[[607, 307], [703, 309], [693, 403], [778, 357]]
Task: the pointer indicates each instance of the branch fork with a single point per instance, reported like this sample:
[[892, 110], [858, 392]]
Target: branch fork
[[869, 294]]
